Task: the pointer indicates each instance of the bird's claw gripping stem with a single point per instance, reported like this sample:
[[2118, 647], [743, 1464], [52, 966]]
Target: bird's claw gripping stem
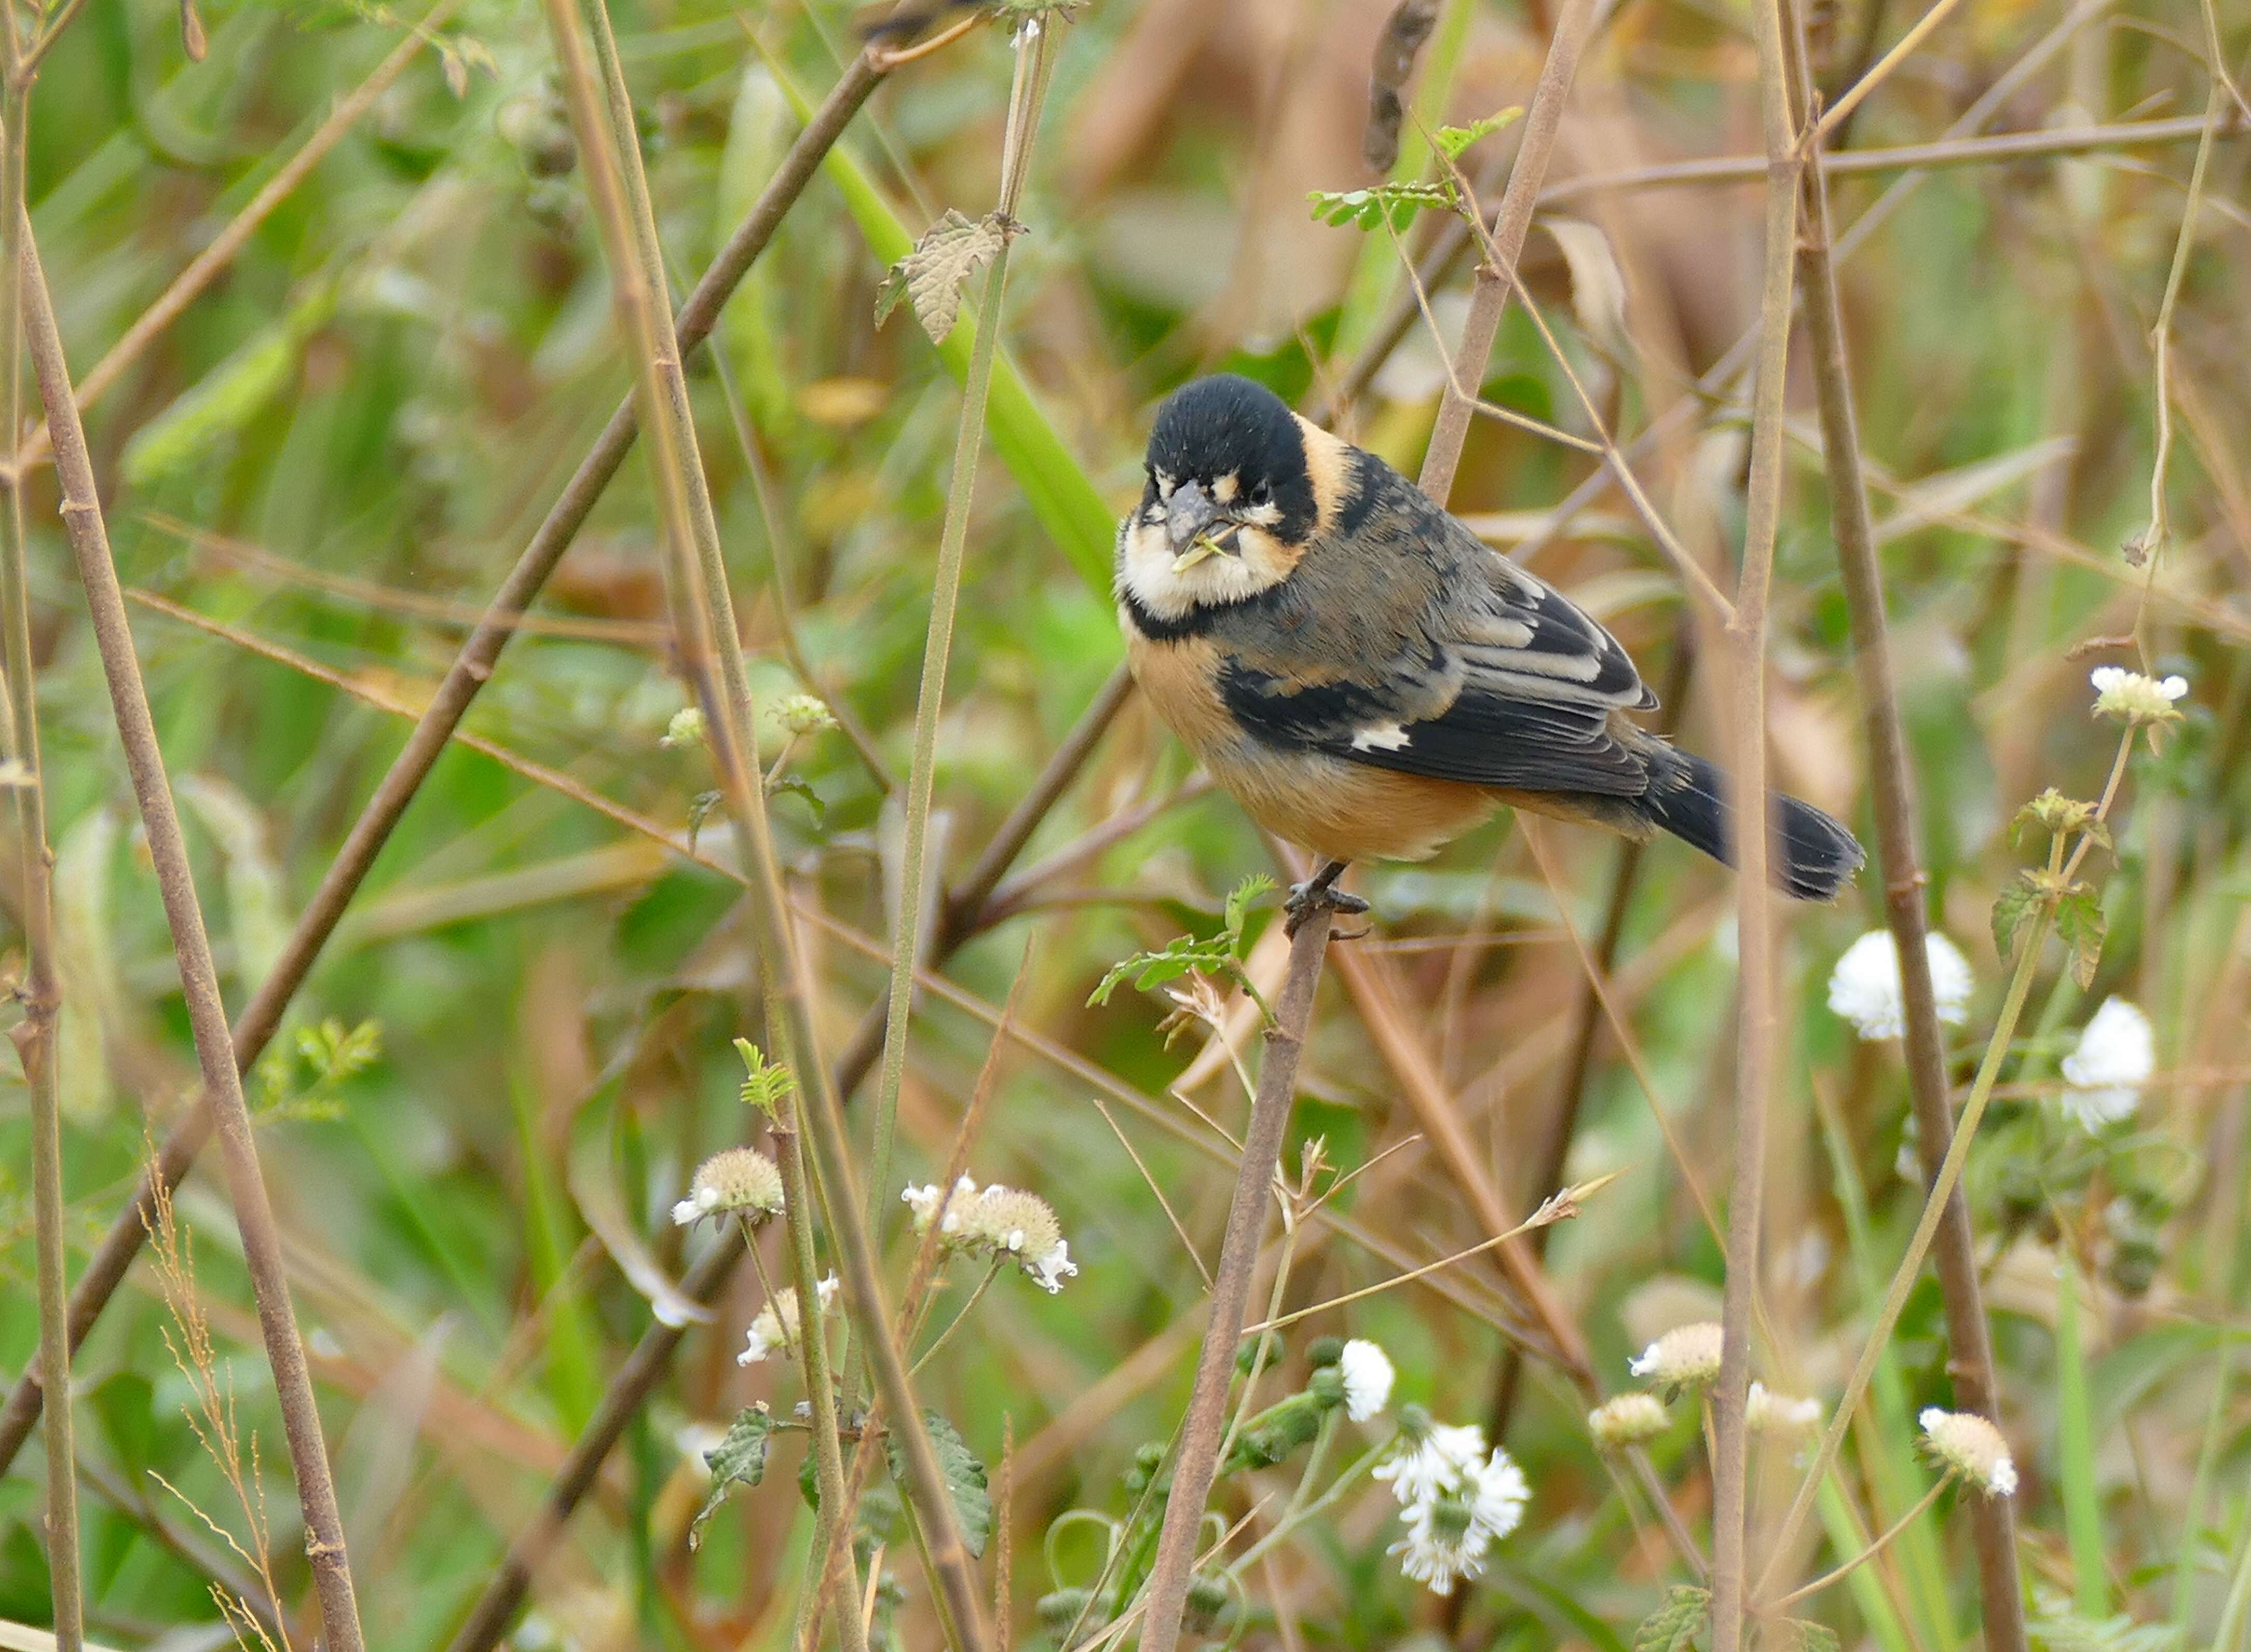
[[1320, 893]]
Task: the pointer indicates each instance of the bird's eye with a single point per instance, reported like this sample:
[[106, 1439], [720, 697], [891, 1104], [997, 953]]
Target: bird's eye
[[1261, 494]]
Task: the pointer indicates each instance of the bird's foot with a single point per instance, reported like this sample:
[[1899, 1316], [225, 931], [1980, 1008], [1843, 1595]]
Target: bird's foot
[[1320, 893]]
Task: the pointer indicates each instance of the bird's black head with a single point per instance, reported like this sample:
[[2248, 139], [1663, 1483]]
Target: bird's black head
[[1228, 452]]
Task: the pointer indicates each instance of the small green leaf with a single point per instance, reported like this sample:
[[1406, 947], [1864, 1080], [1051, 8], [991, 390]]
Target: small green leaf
[[1454, 139], [699, 811], [739, 1459], [965, 1479], [797, 785], [1239, 902], [2080, 921], [767, 1084], [2017, 902], [1673, 1627]]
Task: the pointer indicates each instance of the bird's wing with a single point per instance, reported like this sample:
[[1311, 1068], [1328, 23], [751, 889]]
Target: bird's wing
[[1504, 681]]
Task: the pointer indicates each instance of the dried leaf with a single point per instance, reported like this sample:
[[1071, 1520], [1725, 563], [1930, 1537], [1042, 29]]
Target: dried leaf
[[192, 39], [1597, 280], [931, 277]]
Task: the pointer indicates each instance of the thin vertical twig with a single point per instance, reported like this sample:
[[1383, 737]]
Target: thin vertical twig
[[472, 669], [1758, 1008], [1027, 95], [1197, 1461], [136, 730], [39, 995], [711, 656], [1512, 223], [1892, 784]]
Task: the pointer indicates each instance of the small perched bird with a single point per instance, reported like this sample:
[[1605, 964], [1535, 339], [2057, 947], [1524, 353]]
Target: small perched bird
[[1369, 679]]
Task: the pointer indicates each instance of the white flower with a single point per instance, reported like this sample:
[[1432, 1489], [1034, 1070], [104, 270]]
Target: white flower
[[1765, 1412], [2116, 1055], [1865, 989], [1368, 1377], [2127, 696], [1628, 1420], [1686, 1357], [1970, 1446], [1498, 1493], [1049, 1268], [1455, 1498], [924, 1201], [1426, 1466], [775, 1329], [1445, 1542], [740, 1180]]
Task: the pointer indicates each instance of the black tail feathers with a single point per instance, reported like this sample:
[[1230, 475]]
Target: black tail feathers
[[1688, 798]]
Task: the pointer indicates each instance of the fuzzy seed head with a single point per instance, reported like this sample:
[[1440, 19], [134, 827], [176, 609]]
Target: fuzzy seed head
[[2129, 697], [1686, 1357], [775, 1330], [803, 713], [1968, 1445], [686, 728], [1780, 1414], [740, 1181], [1628, 1420]]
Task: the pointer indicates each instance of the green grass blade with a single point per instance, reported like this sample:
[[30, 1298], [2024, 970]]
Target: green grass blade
[[2074, 1450]]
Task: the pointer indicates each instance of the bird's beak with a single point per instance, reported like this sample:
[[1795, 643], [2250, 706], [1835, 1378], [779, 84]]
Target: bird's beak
[[1189, 516]]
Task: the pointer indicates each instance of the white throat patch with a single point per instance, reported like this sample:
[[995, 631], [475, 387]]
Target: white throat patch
[[1147, 573]]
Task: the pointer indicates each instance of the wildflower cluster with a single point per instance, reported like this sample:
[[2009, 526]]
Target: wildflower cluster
[[1455, 1497], [1685, 1359], [1007, 1224]]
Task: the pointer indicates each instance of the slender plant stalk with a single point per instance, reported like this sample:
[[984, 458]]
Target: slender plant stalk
[[1875, 1548], [471, 669], [1892, 784], [812, 1357], [2030, 938], [1027, 95], [1197, 1459], [137, 728], [1512, 223], [711, 655], [1756, 1009], [39, 995]]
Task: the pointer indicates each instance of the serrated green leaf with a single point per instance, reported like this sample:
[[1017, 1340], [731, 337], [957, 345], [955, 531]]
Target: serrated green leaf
[[1673, 1627], [737, 1460], [2016, 903], [965, 1479], [1809, 1636], [1180, 955], [2080, 922], [798, 785], [1239, 902], [766, 1083]]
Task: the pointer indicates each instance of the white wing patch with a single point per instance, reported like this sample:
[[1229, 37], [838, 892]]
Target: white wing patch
[[1379, 736]]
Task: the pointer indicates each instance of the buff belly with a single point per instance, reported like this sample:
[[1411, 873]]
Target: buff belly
[[1339, 810]]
